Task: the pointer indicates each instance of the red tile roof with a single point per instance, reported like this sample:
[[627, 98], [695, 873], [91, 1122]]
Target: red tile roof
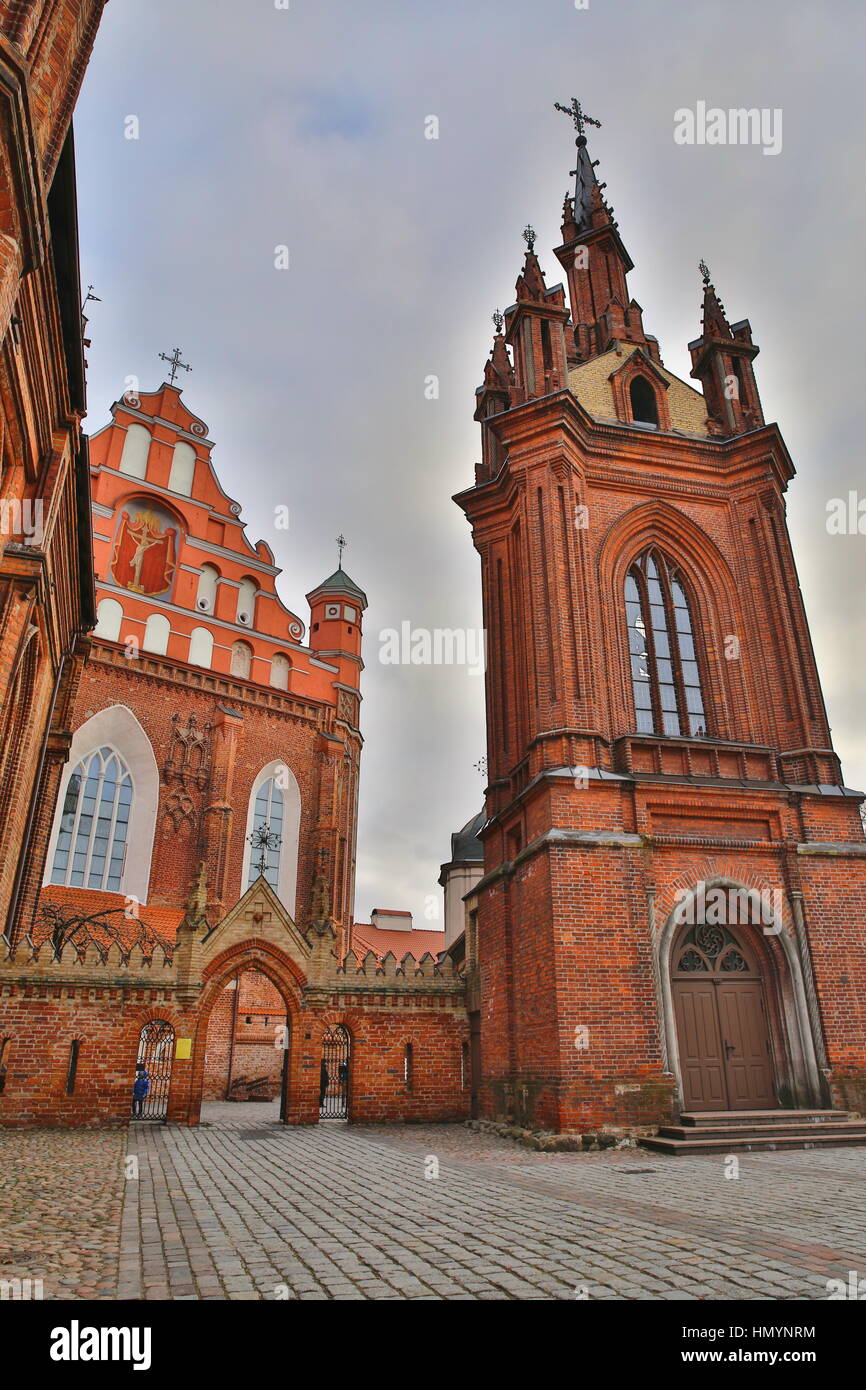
[[364, 938], [161, 922]]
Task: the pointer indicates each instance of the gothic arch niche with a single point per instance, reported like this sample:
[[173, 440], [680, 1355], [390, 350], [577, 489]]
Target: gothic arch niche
[[118, 729], [734, 1019]]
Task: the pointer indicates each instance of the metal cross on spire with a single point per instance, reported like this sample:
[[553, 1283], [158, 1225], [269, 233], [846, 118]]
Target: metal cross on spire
[[705, 271], [341, 546], [577, 114], [175, 363], [528, 235]]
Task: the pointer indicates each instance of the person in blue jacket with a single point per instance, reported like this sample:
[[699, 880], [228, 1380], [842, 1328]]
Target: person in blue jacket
[[140, 1088]]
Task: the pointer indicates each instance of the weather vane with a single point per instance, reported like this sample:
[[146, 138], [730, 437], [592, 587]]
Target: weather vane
[[264, 839], [341, 546], [498, 320], [577, 114], [90, 295], [175, 363], [705, 271], [528, 235]]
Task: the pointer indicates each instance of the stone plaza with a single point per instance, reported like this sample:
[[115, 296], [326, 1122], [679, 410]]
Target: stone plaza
[[245, 1208]]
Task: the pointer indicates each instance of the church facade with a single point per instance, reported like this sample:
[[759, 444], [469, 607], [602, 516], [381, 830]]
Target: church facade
[[672, 915], [199, 853]]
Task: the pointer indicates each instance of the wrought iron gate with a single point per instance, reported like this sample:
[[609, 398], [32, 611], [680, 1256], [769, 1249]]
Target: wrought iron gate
[[334, 1076], [155, 1052]]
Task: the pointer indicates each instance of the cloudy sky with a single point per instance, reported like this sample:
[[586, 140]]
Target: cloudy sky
[[305, 126]]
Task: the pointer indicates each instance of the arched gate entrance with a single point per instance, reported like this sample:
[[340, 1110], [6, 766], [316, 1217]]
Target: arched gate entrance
[[155, 1053]]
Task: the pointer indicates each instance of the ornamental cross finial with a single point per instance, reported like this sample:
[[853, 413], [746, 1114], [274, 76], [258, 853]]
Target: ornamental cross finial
[[341, 546], [577, 114], [264, 840], [528, 235], [705, 271], [498, 320], [175, 363]]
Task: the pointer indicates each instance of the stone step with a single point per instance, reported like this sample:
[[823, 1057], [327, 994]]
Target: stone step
[[808, 1139], [762, 1131], [702, 1119]]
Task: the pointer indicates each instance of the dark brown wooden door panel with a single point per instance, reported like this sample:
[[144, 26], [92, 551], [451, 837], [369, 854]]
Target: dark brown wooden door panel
[[702, 1063], [748, 1068]]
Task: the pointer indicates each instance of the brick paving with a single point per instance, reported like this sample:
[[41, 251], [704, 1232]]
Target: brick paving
[[244, 1208]]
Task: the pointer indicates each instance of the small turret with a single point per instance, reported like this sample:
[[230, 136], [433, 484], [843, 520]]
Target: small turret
[[336, 609], [722, 362]]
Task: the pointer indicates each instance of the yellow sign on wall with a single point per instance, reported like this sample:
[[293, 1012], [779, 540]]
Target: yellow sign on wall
[[183, 1049]]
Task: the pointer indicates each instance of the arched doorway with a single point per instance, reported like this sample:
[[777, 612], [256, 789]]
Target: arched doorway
[[247, 1041], [155, 1053], [334, 1074], [722, 1024]]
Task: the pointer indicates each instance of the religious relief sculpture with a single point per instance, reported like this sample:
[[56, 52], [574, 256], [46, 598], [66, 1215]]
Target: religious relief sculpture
[[145, 551]]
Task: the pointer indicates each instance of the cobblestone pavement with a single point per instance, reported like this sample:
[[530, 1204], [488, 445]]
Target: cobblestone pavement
[[243, 1208], [61, 1193]]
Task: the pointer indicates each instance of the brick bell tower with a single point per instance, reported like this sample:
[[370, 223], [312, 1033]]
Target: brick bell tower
[[657, 739]]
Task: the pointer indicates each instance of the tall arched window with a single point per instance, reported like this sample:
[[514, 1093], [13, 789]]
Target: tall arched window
[[267, 817], [665, 678], [643, 402], [91, 843], [262, 808], [136, 446]]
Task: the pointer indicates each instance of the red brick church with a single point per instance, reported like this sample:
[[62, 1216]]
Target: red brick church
[[672, 915]]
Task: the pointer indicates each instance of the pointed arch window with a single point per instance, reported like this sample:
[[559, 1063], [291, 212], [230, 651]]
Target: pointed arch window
[[267, 813], [91, 843], [666, 681]]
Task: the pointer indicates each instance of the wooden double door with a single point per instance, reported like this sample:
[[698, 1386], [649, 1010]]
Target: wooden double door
[[722, 1030]]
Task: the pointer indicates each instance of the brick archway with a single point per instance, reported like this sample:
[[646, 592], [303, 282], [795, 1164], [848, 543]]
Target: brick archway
[[282, 972]]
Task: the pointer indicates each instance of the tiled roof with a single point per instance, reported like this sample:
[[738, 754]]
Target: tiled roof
[[161, 922], [365, 938]]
